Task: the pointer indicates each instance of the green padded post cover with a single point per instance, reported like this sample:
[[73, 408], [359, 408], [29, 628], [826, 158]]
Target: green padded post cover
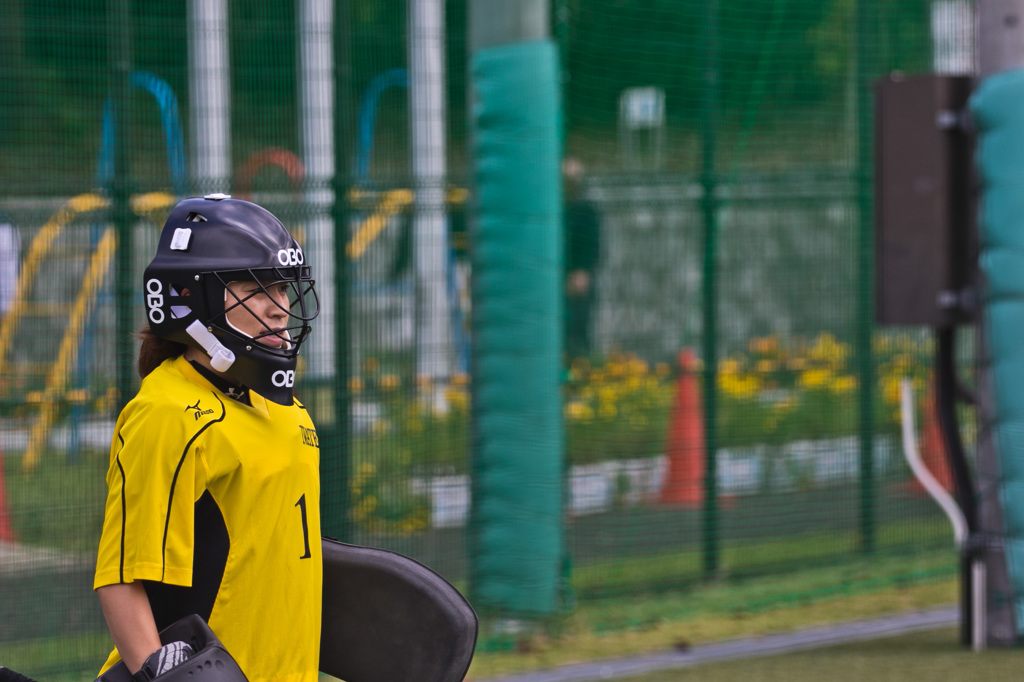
[[996, 108], [516, 518]]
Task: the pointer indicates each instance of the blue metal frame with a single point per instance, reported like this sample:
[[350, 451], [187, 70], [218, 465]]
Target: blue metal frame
[[175, 140]]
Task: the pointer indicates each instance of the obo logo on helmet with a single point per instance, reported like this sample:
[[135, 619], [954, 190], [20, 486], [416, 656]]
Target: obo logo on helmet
[[155, 301], [290, 257], [283, 378]]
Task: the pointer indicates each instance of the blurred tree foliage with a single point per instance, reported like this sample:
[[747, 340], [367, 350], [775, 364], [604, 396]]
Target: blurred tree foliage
[[55, 71]]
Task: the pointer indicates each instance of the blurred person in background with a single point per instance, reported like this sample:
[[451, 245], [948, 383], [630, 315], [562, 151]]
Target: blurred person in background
[[582, 233]]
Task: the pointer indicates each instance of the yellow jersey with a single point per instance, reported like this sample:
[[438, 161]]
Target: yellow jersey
[[215, 504]]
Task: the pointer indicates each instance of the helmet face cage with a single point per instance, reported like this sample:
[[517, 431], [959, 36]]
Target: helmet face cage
[[303, 306], [206, 245]]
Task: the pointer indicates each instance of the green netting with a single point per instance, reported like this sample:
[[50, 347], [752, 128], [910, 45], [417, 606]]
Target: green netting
[[723, 149]]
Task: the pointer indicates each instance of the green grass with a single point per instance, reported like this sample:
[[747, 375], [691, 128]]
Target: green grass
[[766, 593], [932, 655], [580, 642], [810, 586], [903, 547], [76, 657], [59, 504]]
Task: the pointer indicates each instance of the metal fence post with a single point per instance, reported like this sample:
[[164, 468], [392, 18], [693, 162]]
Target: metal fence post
[[120, 55], [865, 289], [709, 211]]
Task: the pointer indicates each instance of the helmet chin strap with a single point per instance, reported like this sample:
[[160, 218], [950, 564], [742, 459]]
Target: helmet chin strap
[[221, 358]]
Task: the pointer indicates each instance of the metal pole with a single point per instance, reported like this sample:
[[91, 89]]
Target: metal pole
[[316, 86], [428, 122], [945, 398], [210, 94], [865, 259], [709, 210], [120, 28], [335, 458]]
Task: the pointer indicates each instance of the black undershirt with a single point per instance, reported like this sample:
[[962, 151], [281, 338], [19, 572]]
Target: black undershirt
[[171, 603], [231, 390]]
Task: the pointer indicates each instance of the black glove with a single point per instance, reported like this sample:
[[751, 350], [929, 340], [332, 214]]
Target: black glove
[[162, 660]]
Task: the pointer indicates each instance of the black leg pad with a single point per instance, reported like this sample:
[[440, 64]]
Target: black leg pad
[[388, 618]]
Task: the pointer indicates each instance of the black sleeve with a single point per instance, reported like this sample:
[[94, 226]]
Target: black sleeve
[[171, 603]]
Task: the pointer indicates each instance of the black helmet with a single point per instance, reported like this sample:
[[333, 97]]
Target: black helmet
[[206, 244]]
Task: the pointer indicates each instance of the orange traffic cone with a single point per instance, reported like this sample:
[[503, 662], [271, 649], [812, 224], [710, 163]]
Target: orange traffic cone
[[933, 446], [684, 441], [6, 529]]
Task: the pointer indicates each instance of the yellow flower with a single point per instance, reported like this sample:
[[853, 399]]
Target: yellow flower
[[390, 381], [578, 410], [729, 366], [765, 345], [843, 385], [367, 505], [891, 389], [902, 362], [814, 378], [355, 385], [740, 386], [638, 366], [765, 366], [457, 399], [826, 348]]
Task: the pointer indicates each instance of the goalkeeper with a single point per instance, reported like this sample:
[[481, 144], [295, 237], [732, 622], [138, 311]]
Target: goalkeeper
[[213, 485]]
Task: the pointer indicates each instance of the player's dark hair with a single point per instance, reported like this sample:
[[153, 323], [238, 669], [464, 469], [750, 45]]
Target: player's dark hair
[[155, 350]]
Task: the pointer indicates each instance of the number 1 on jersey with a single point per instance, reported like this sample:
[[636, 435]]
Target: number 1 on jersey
[[301, 504]]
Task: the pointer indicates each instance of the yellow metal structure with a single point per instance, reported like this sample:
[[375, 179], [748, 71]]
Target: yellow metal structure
[[57, 379], [33, 259], [56, 386]]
